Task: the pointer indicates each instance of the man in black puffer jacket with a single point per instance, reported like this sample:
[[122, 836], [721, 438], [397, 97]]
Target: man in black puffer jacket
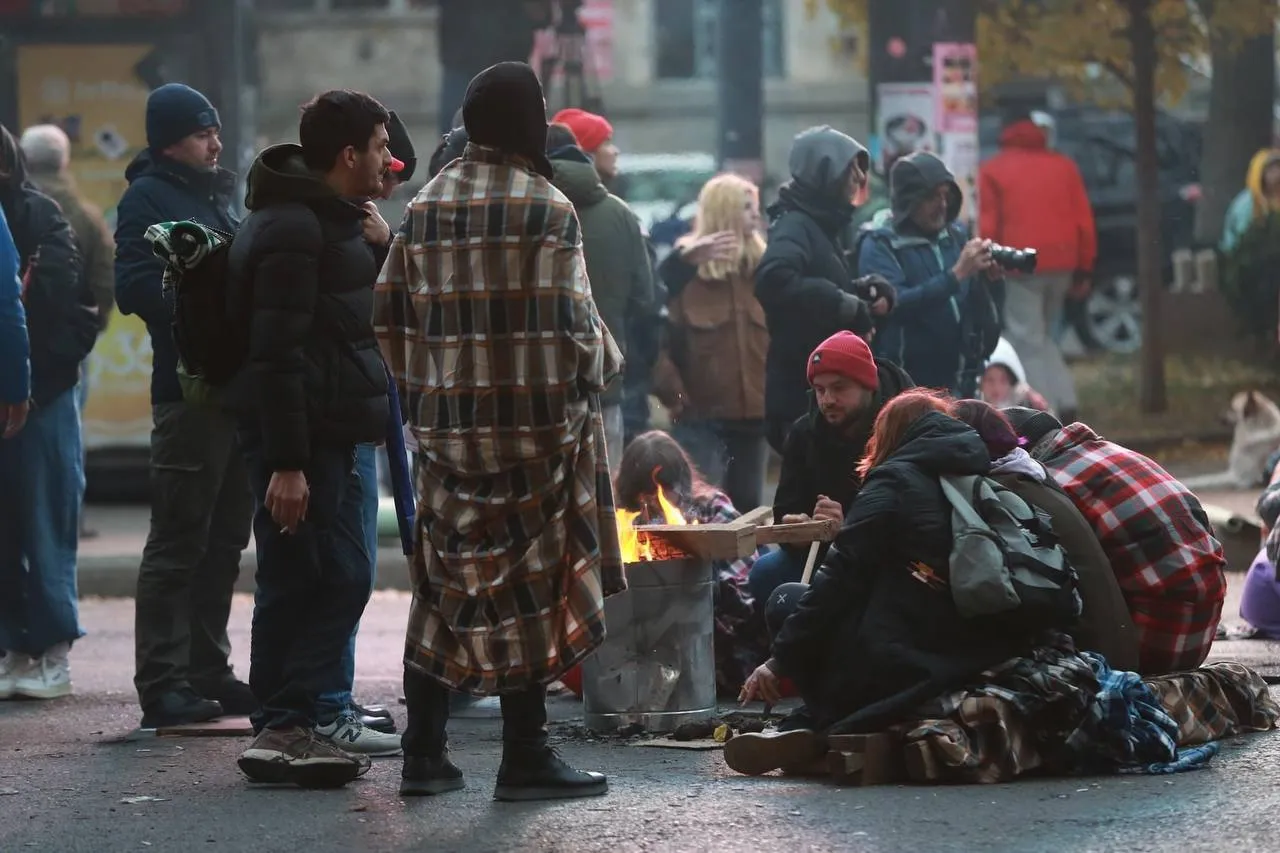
[[820, 459], [803, 282], [314, 386], [41, 470]]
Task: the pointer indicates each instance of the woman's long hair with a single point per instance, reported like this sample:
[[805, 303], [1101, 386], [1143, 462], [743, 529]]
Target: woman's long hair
[[895, 419], [655, 459], [721, 204], [991, 424]]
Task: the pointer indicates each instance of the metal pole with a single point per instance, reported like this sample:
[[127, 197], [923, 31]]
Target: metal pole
[[740, 87]]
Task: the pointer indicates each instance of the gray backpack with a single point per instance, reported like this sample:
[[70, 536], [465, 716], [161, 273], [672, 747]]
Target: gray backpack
[[1006, 562]]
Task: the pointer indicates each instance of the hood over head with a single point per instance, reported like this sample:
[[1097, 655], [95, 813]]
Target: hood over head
[[819, 162], [915, 176], [13, 163], [505, 109], [1006, 356], [577, 178], [401, 147], [280, 175], [1031, 424], [1253, 179], [943, 445], [1024, 133]]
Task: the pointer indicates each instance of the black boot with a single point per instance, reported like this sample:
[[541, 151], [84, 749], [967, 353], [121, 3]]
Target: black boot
[[427, 769], [530, 768]]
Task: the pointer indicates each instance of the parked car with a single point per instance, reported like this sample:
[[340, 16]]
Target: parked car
[[1103, 145], [663, 191]]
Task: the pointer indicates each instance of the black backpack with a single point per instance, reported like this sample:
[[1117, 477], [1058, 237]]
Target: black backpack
[[212, 345]]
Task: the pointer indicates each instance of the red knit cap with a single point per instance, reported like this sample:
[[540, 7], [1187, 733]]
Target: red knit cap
[[848, 355], [592, 130]]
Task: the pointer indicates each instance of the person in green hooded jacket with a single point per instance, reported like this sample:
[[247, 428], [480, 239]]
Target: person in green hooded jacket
[[616, 254]]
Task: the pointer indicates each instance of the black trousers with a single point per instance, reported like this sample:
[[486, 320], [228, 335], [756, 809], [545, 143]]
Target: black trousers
[[524, 716]]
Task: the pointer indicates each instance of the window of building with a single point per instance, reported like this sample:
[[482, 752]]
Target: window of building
[[685, 38]]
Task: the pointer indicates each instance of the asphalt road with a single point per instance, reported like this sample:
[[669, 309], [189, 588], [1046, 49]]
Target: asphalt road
[[64, 771]]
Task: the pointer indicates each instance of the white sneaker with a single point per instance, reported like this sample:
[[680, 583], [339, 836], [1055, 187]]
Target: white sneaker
[[350, 735], [12, 665], [47, 677]]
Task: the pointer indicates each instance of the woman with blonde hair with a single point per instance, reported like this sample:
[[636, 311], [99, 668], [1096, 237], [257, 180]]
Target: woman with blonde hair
[[878, 633], [710, 375]]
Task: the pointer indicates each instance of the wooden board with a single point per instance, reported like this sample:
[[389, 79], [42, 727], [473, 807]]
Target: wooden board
[[735, 541], [703, 745], [759, 515]]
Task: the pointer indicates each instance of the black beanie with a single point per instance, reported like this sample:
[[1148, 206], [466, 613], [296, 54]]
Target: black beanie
[[505, 109], [1031, 424], [174, 112], [401, 147]]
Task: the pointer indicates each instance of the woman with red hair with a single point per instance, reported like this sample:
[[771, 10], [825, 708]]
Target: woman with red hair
[[877, 633]]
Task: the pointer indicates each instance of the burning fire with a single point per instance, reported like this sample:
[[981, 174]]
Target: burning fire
[[638, 546]]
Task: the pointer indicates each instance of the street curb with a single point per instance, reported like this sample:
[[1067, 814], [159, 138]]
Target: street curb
[[116, 575]]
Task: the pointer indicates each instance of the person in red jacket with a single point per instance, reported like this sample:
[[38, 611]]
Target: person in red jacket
[[1033, 197]]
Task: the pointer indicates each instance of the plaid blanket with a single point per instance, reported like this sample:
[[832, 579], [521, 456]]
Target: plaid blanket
[[1059, 711], [1216, 701]]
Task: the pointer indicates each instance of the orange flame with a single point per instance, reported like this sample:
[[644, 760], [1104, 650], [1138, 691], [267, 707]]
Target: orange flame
[[636, 545]]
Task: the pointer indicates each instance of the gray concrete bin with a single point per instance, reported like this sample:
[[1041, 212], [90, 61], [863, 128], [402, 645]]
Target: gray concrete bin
[[657, 666]]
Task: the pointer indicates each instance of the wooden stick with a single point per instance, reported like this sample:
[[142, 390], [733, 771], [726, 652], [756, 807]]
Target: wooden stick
[[809, 561]]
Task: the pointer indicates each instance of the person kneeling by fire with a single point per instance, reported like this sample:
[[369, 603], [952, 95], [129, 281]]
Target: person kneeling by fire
[[657, 483], [878, 633]]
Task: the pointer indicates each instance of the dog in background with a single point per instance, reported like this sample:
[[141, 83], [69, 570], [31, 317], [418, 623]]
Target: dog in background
[[1255, 420]]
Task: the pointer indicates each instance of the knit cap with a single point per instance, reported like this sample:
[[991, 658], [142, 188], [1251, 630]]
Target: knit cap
[[848, 355]]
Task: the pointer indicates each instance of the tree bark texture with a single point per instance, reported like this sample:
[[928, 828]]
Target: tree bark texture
[[1151, 386]]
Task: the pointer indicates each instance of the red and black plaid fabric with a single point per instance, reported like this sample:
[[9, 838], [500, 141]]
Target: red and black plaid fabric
[[1158, 539]]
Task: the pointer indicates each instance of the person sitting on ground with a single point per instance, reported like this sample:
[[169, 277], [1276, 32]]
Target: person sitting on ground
[[653, 461], [1154, 531], [1260, 601], [1004, 382], [878, 632], [1105, 625], [819, 461]]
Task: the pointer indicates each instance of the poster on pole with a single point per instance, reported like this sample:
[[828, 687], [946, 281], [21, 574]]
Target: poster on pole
[[955, 86], [905, 121], [960, 153]]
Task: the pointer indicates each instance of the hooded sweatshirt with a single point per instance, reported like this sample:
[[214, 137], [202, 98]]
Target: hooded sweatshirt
[[1034, 198], [802, 281], [1251, 203], [942, 329], [62, 320], [302, 276], [613, 245]]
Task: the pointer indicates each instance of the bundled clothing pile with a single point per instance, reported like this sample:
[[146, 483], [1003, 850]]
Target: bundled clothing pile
[[1059, 711]]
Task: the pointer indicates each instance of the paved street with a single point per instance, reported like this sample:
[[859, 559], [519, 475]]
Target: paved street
[[64, 772]]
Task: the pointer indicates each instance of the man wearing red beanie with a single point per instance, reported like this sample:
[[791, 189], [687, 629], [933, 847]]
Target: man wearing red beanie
[[848, 386], [595, 137]]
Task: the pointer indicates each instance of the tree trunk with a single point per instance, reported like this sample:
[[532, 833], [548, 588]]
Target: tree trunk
[[1240, 120], [1151, 388]]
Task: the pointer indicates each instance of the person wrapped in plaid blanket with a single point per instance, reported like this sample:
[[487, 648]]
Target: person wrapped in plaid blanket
[[1153, 530]]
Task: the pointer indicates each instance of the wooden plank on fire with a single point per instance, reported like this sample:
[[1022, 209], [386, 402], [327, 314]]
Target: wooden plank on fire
[[757, 516], [798, 533], [707, 541]]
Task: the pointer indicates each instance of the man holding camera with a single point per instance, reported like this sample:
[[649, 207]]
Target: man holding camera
[[950, 290], [1014, 186]]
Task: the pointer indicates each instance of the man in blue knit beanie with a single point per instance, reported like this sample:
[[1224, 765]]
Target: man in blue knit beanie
[[201, 505]]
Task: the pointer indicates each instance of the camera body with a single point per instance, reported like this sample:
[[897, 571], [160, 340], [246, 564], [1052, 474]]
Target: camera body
[[1016, 260]]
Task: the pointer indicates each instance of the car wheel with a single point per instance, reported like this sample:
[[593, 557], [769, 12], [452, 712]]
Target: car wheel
[[1115, 314]]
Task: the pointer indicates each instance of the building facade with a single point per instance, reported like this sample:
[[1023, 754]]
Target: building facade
[[657, 66]]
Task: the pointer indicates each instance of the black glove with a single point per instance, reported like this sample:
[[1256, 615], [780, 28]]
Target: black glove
[[855, 315], [869, 288]]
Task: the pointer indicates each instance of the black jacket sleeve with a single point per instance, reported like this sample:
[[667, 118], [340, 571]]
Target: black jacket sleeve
[[676, 273], [784, 289], [139, 272], [797, 493], [841, 587], [285, 290]]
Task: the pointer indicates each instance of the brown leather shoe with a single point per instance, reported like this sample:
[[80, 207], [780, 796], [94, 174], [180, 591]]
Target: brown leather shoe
[[756, 754]]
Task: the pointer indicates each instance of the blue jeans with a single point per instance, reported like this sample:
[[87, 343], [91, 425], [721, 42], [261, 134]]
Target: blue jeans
[[41, 487], [367, 468], [313, 586], [772, 571]]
